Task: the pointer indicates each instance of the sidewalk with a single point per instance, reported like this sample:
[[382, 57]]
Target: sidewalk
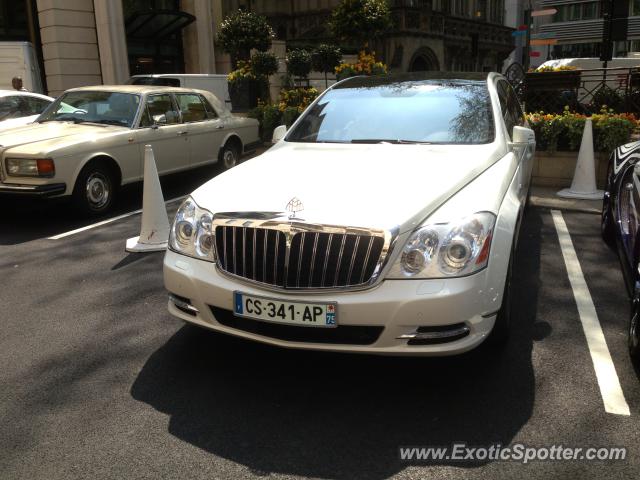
[[546, 197]]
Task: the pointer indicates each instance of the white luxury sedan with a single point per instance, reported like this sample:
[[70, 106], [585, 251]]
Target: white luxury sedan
[[384, 221], [91, 140], [19, 108]]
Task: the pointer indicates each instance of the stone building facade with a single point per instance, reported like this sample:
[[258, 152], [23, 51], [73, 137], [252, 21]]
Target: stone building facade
[[85, 42]]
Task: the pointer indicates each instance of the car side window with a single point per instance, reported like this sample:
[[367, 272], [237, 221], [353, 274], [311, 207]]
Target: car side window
[[36, 105], [211, 112], [514, 106], [11, 107], [191, 107], [161, 110], [504, 107]]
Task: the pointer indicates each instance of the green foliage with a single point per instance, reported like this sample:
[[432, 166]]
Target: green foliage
[[290, 115], [299, 63], [325, 58], [269, 117], [564, 132], [241, 31], [606, 97], [264, 64], [345, 70], [613, 132], [360, 21]]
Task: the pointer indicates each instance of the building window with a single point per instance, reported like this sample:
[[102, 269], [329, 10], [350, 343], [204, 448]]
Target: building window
[[578, 11], [154, 35], [13, 21]]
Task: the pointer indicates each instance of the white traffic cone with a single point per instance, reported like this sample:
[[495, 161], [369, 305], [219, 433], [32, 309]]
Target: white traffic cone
[[583, 185], [154, 233]]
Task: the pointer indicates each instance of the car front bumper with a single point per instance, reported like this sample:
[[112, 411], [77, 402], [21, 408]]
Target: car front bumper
[[46, 190], [378, 320]]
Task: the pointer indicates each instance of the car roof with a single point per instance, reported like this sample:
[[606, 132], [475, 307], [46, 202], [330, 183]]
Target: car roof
[[138, 89], [12, 93], [413, 77]]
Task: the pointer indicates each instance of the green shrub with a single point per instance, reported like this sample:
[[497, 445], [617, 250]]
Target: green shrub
[[299, 63], [264, 64], [241, 31]]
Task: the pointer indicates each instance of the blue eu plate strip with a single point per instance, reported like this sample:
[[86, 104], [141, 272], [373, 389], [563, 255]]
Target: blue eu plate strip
[[238, 302]]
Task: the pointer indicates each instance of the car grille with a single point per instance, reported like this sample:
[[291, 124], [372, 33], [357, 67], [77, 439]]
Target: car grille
[[311, 260], [340, 335]]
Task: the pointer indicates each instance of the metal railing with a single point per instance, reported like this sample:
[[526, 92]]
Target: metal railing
[[585, 91]]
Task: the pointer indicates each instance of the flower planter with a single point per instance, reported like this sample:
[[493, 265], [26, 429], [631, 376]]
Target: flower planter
[[244, 94], [557, 169]]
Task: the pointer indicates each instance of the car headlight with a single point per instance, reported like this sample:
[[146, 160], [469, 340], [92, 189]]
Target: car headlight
[[192, 232], [447, 250], [30, 167]]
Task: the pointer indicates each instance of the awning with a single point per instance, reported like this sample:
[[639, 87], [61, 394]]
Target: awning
[[156, 24]]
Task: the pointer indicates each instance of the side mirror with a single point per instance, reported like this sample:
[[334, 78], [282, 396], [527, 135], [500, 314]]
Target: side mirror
[[279, 133], [523, 135]]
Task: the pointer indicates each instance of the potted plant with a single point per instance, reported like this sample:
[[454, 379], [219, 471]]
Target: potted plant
[[239, 33], [299, 64], [325, 58]]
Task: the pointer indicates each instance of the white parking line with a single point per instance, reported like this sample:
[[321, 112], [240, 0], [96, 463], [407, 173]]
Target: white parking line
[[610, 389], [105, 222]]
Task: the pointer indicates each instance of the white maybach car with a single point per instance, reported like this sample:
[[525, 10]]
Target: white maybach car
[[384, 221], [91, 141]]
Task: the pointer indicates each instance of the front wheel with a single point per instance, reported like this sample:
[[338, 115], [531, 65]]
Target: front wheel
[[94, 191], [229, 156], [634, 331]]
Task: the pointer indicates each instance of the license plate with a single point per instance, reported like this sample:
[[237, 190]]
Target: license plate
[[278, 311]]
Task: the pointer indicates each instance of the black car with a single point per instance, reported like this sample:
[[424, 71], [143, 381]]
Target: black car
[[621, 227]]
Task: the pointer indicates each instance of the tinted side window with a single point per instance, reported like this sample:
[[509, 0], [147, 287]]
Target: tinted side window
[[162, 110], [514, 106], [11, 107], [36, 105], [191, 107], [504, 107]]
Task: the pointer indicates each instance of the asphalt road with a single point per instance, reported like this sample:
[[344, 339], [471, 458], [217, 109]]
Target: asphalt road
[[98, 381]]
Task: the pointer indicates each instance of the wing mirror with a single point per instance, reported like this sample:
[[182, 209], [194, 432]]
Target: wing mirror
[[522, 135], [279, 133]]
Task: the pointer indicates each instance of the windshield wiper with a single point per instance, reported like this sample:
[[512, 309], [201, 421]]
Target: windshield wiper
[[110, 122], [394, 141]]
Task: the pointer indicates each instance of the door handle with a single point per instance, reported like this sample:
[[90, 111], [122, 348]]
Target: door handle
[[183, 133], [219, 127]]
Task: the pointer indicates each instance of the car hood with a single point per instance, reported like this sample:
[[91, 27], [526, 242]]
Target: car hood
[[42, 138], [16, 122], [373, 186]]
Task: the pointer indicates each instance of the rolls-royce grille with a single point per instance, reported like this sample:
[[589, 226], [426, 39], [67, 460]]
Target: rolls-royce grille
[[313, 260]]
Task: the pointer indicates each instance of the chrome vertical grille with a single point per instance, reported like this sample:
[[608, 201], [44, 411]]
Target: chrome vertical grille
[[309, 260]]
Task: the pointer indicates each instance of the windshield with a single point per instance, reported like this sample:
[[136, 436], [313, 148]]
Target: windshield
[[404, 112], [107, 108]]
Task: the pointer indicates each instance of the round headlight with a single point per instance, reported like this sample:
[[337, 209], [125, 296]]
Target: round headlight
[[413, 261], [184, 232], [458, 252]]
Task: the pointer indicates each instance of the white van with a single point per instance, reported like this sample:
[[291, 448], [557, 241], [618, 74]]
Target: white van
[[214, 83], [18, 59]]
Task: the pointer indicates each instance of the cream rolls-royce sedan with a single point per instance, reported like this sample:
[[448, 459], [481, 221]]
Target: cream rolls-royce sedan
[[384, 221], [91, 140]]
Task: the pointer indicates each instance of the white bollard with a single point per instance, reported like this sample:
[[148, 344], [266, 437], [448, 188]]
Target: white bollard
[[583, 185], [154, 232]]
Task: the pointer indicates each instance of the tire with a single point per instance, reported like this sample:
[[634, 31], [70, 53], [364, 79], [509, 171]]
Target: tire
[[229, 156], [95, 189], [634, 331], [502, 327]]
